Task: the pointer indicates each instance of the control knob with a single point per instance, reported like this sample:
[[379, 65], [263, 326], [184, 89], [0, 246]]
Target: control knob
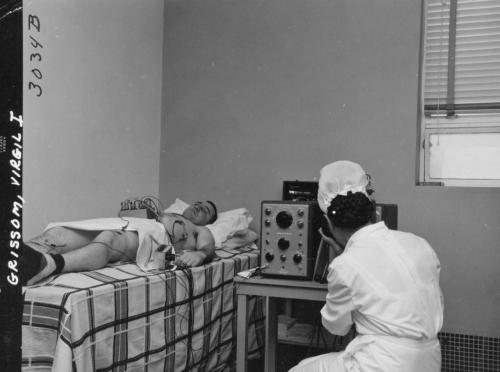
[[297, 258], [284, 219], [283, 244], [269, 256]]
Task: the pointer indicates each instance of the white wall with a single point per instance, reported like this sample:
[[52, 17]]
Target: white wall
[[93, 137]]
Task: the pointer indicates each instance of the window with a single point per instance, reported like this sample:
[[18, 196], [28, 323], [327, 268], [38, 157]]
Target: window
[[460, 88]]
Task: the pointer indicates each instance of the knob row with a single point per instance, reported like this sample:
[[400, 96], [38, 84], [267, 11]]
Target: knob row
[[283, 243], [300, 223], [297, 257]]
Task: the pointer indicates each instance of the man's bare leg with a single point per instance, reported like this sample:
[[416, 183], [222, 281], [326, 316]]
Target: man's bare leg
[[106, 247]]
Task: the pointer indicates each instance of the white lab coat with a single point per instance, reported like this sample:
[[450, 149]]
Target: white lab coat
[[386, 283]]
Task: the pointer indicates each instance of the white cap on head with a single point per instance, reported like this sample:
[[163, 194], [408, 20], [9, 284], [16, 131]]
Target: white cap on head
[[338, 178]]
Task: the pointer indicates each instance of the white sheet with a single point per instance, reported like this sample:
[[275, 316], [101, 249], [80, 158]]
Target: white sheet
[[151, 235]]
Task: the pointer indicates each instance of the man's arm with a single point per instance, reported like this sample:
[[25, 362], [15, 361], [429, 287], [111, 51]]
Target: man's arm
[[205, 250], [205, 244]]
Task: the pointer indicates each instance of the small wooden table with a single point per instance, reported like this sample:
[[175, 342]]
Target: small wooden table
[[272, 289]]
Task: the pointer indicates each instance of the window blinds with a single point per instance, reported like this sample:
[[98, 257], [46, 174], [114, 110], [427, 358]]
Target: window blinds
[[461, 57]]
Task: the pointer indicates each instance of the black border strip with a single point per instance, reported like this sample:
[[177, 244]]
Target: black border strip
[[11, 104]]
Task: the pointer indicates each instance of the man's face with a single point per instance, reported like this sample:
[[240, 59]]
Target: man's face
[[199, 213]]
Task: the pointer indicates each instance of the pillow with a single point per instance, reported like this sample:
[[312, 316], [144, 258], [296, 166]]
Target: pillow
[[229, 224], [177, 207], [240, 240]]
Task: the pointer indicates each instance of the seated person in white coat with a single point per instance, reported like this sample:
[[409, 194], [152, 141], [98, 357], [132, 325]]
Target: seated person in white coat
[[384, 282], [92, 244]]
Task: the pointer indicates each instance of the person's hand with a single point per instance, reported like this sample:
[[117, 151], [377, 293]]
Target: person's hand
[[191, 259], [335, 247]]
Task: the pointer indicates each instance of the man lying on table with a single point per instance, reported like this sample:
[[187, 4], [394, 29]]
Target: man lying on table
[[92, 244]]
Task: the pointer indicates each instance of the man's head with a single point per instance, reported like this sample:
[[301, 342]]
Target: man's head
[[201, 213]]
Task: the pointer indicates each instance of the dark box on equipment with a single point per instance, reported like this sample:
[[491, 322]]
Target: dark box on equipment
[[300, 190]]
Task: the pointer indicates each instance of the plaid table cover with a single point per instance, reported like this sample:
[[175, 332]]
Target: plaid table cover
[[121, 319]]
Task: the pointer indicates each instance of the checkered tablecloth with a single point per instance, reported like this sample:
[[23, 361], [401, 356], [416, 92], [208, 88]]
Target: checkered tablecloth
[[120, 318]]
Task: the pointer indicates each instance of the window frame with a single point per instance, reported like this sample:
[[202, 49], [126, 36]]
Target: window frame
[[456, 121]]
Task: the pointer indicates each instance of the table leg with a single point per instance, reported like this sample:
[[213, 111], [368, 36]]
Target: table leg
[[241, 334], [271, 334]]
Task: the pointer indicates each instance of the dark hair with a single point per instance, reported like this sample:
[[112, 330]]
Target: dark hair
[[351, 211], [214, 217]]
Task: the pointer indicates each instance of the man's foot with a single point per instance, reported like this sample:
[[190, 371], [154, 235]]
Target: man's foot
[[35, 265]]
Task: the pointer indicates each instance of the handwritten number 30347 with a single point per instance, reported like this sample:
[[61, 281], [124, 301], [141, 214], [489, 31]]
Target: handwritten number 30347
[[36, 57]]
